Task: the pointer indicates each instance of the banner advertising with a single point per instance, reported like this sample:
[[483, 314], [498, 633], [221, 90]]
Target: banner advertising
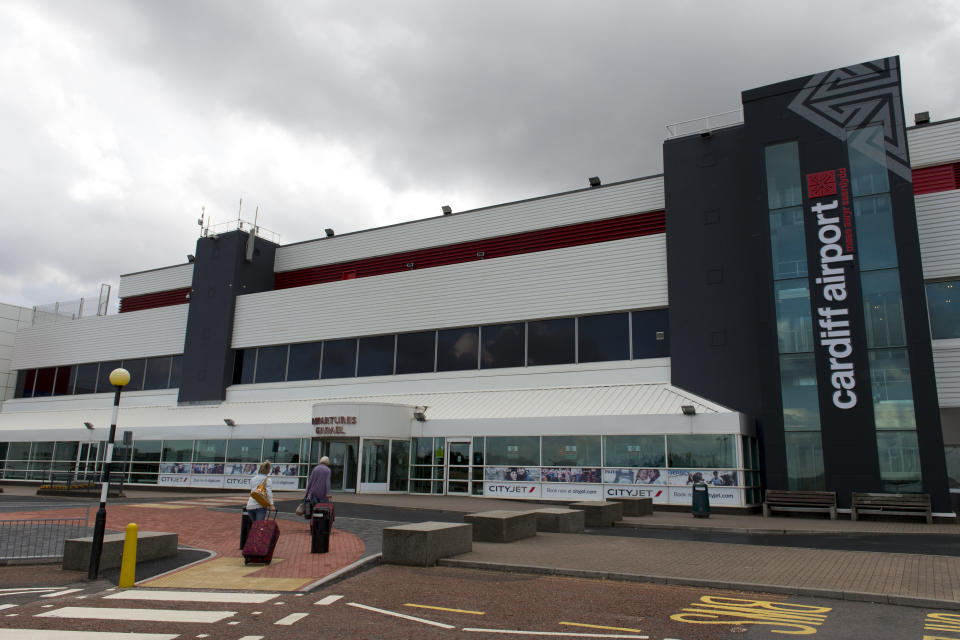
[[634, 476], [512, 474], [208, 468], [173, 480], [715, 478], [241, 469], [236, 482], [572, 491], [207, 481], [526, 491], [659, 494], [719, 496], [570, 474], [284, 483]]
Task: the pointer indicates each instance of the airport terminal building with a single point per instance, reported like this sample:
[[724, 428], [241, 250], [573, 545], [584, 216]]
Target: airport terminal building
[[773, 311]]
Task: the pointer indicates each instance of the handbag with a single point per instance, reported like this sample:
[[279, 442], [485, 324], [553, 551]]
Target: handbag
[[302, 508], [260, 494]]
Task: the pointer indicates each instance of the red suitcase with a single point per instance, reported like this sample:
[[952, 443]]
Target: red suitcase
[[261, 541]]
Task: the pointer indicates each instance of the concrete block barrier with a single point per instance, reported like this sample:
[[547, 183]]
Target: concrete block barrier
[[556, 520], [600, 514], [502, 526], [635, 506], [150, 546], [421, 544]]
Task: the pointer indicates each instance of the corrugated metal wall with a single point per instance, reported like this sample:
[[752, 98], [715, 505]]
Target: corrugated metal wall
[[934, 144], [154, 332], [166, 279], [938, 222], [618, 275], [946, 360]]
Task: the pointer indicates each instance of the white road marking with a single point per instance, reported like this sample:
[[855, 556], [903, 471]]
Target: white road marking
[[194, 596], [61, 593], [328, 600], [45, 606], [252, 638], [25, 591], [562, 634], [153, 615], [401, 615], [52, 634], [292, 618], [6, 606]]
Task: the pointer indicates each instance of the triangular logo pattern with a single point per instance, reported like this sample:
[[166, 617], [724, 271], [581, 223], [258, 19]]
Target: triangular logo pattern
[[856, 96]]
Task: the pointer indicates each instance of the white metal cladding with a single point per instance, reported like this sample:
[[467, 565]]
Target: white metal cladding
[[938, 223], [555, 211], [946, 364], [934, 144], [608, 276], [152, 332], [137, 284]]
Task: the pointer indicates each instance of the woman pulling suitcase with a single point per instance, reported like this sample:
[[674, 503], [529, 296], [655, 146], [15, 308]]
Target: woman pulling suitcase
[[264, 533]]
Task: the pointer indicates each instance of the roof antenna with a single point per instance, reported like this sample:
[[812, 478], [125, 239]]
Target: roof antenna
[[251, 235]]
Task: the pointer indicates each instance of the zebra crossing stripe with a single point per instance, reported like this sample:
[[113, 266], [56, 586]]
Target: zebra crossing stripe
[[328, 600], [61, 593], [292, 618], [53, 634], [140, 615], [194, 596], [6, 606]]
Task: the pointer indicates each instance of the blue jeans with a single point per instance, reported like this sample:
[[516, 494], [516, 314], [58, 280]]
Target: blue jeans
[[257, 514]]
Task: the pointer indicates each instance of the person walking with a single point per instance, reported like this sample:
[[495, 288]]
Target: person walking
[[255, 509], [318, 486]]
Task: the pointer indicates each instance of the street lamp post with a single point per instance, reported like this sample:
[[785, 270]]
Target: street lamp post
[[119, 378]]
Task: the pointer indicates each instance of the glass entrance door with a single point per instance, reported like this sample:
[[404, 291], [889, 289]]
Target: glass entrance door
[[457, 474], [88, 461], [343, 461]]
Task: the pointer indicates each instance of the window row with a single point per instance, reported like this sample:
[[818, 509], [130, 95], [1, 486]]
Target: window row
[[597, 338], [94, 377]]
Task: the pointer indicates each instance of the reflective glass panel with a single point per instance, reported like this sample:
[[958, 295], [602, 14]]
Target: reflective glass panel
[[701, 451], [247, 450], [374, 461], [209, 450], [501, 345], [146, 451], [45, 380], [550, 342], [570, 451], [651, 333], [952, 453], [66, 451], [285, 451], [103, 380], [783, 176], [339, 358], [25, 380], [399, 464], [244, 366], [876, 245], [883, 308], [794, 326], [943, 302], [415, 352], [868, 161], [136, 368], [376, 356], [634, 451], [176, 363], [177, 450], [271, 364], [304, 361], [602, 338], [64, 382], [513, 450], [457, 349], [157, 374], [892, 391], [804, 461], [899, 461], [798, 386], [423, 450], [787, 243]]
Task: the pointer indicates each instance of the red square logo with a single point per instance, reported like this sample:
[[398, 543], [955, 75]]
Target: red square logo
[[822, 183]]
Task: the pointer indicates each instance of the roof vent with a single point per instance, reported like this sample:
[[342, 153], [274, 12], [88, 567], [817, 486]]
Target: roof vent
[[594, 181], [921, 118], [446, 210]]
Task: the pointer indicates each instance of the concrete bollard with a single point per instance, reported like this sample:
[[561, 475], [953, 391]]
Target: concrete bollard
[[128, 565]]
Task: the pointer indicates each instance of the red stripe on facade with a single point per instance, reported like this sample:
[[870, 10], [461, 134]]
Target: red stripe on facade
[[944, 177], [155, 300], [639, 224]]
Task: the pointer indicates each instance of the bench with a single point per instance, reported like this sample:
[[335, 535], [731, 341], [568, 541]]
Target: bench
[[600, 514], [635, 506], [421, 544], [150, 546], [502, 526], [558, 520], [891, 504], [809, 501]]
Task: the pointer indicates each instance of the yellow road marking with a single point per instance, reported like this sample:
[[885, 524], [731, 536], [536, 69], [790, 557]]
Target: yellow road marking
[[426, 606], [597, 626]]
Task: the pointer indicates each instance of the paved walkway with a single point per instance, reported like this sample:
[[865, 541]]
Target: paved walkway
[[909, 578]]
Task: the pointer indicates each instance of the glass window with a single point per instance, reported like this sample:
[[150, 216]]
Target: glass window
[[952, 453], [177, 450], [86, 378], [794, 326], [604, 337], [374, 461], [457, 349], [944, 310], [41, 451], [64, 383], [513, 450], [376, 356], [783, 176], [868, 161], [103, 380], [651, 333], [423, 451], [339, 358], [25, 380], [45, 380], [798, 386], [415, 352], [244, 450], [787, 243], [501, 345], [176, 365], [135, 368], [883, 309], [285, 451], [892, 391], [876, 245], [804, 461], [550, 341], [305, 361], [209, 450], [147, 451], [271, 364], [570, 451], [478, 450], [701, 451], [244, 365], [157, 373], [399, 464], [899, 461], [634, 451], [66, 451]]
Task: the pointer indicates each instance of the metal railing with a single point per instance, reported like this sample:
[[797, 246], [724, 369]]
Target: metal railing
[[706, 123], [40, 540]]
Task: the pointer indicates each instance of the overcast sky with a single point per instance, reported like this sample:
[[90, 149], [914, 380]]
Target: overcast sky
[[119, 120]]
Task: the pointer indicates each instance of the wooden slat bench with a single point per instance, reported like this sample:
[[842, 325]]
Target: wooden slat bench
[[891, 504], [810, 501]]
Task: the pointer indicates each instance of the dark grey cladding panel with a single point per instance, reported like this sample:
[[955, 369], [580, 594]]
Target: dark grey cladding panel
[[220, 274]]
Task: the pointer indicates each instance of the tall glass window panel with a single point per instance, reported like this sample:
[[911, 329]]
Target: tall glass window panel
[[634, 451], [64, 381], [501, 345], [305, 361], [245, 450], [177, 450], [570, 451], [45, 380], [513, 451], [892, 391], [787, 243], [701, 451], [805, 461], [651, 333], [25, 380], [798, 388], [876, 244], [209, 450], [883, 308], [176, 366], [244, 366], [136, 368], [951, 452], [794, 326], [783, 176], [339, 359], [458, 349], [943, 303], [868, 161], [147, 451], [272, 364], [415, 352], [374, 461], [603, 338], [286, 450], [899, 461], [550, 342], [66, 451], [423, 450], [399, 464], [17, 456], [376, 355], [157, 373], [103, 378]]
